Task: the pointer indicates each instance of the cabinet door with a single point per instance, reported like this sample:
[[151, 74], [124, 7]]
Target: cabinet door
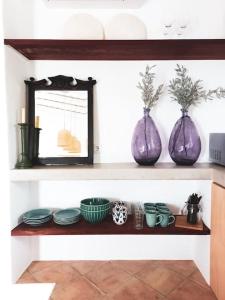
[[217, 273]]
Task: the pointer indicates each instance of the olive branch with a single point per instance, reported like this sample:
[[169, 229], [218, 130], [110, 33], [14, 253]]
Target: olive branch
[[188, 92], [149, 95]]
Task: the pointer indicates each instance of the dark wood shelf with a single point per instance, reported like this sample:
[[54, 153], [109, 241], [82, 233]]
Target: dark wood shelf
[[107, 227], [43, 49]]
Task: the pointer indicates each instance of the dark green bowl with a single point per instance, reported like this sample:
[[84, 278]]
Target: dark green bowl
[[94, 216], [95, 204]]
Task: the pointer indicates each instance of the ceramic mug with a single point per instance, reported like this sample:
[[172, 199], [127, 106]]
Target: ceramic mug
[[160, 204], [153, 218], [149, 205], [167, 219], [163, 209]]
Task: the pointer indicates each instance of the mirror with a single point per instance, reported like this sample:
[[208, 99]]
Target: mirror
[[60, 109]]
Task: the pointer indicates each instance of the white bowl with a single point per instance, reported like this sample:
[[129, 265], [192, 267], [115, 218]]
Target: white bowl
[[125, 27], [83, 27]]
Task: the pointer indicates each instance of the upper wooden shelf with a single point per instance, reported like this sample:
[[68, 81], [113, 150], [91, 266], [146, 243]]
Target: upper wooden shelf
[[43, 49], [115, 171]]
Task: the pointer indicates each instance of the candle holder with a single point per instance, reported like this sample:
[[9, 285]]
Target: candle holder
[[23, 161], [36, 135]]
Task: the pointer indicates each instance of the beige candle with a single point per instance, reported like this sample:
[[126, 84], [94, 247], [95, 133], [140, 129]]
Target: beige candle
[[23, 115], [37, 120]]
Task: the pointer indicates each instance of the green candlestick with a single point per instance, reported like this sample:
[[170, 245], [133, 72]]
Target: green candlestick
[[23, 161], [36, 135]]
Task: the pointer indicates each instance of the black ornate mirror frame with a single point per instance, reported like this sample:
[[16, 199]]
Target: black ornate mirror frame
[[60, 82]]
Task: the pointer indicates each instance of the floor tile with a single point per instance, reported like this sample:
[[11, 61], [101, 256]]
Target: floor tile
[[183, 267], [134, 289], [198, 278], [132, 266], [108, 277], [160, 278], [84, 267], [80, 289], [191, 290], [58, 273], [120, 280], [36, 266], [26, 277]]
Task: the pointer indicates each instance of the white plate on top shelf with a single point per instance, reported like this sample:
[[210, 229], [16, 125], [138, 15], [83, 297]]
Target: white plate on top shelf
[[125, 27], [83, 27]]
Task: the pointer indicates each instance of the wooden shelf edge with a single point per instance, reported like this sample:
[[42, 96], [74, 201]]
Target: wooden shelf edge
[[192, 49], [107, 227]]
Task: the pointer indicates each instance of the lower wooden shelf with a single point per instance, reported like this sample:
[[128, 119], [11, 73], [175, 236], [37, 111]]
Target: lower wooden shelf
[[107, 227]]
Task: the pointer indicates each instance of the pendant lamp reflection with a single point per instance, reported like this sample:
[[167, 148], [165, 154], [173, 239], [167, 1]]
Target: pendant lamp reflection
[[74, 145], [63, 138], [64, 135]]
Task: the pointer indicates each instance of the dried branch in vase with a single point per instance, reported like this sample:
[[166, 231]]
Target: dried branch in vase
[[188, 92], [149, 95]]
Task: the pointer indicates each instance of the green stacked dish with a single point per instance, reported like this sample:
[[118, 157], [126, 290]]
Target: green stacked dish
[[37, 217], [94, 210], [66, 216]]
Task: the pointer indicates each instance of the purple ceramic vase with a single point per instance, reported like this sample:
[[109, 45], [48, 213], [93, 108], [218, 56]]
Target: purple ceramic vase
[[146, 143], [185, 143]]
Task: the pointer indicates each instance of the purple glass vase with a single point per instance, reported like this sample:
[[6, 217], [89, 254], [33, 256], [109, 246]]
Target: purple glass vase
[[146, 143], [185, 143]]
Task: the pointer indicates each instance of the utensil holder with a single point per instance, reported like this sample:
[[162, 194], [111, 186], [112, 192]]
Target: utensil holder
[[192, 215]]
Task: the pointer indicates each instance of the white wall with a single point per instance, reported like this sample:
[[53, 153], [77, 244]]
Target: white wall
[[17, 69], [174, 192], [5, 259], [118, 105], [18, 18], [25, 18], [117, 101]]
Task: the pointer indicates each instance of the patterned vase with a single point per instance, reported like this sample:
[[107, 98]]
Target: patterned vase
[[146, 143], [120, 215], [184, 143]]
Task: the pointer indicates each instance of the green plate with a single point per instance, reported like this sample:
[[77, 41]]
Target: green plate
[[67, 213], [36, 214]]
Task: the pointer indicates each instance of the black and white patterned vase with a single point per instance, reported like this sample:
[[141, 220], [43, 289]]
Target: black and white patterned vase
[[120, 214]]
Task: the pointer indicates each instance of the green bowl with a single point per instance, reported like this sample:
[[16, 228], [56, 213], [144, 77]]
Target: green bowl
[[94, 204], [94, 216]]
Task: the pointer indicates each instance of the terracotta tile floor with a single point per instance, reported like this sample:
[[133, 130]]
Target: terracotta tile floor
[[120, 280]]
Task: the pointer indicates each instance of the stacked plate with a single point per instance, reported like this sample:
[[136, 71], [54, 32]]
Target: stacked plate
[[37, 217], [67, 216]]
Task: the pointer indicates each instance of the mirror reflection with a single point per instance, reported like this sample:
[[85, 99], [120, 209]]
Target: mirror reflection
[[62, 116]]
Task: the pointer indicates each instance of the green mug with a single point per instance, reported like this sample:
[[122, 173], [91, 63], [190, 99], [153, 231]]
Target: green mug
[[167, 218], [149, 205], [147, 208], [163, 209], [160, 204], [153, 218]]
